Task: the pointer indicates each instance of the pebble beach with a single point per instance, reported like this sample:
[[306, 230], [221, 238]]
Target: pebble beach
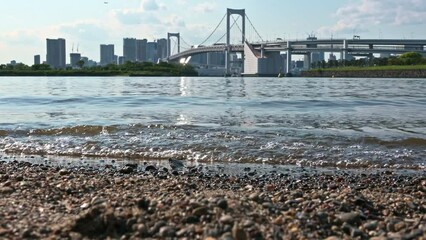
[[146, 201]]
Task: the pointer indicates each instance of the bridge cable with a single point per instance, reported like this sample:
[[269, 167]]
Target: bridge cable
[[213, 30], [185, 42], [233, 24], [235, 21], [254, 28]]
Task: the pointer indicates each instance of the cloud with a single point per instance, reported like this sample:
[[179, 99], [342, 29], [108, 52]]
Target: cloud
[[358, 16], [87, 31], [150, 5], [181, 2], [136, 17], [21, 45], [204, 7], [21, 37], [128, 17], [145, 14], [175, 21]]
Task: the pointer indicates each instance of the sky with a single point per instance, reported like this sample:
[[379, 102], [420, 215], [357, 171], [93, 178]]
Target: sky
[[85, 24]]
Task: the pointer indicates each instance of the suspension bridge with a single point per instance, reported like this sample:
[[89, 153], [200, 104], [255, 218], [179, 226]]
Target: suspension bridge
[[259, 57]]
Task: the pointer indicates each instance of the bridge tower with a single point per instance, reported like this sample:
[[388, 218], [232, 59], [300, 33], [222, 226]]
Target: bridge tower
[[169, 35], [229, 13]]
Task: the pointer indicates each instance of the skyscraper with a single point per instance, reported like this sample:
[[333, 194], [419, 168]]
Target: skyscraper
[[36, 59], [74, 58], [129, 49], [56, 55], [162, 48], [151, 52], [141, 50], [107, 54]]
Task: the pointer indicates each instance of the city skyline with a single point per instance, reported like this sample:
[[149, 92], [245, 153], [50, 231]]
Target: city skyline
[[89, 24]]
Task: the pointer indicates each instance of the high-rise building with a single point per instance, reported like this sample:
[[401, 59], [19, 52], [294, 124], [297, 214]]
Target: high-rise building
[[121, 60], [129, 49], [37, 59], [162, 48], [141, 50], [151, 52], [88, 62], [55, 56], [74, 58], [107, 54], [317, 57]]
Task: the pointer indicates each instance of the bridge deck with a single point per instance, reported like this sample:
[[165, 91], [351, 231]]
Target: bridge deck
[[360, 46]]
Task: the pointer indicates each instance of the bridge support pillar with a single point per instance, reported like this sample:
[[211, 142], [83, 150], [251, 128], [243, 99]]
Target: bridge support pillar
[[345, 51], [262, 51], [227, 61], [288, 60], [169, 35], [307, 61], [229, 12], [208, 60]]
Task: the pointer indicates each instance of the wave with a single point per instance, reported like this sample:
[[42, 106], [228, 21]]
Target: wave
[[83, 130], [231, 149], [94, 130], [416, 142], [308, 147]]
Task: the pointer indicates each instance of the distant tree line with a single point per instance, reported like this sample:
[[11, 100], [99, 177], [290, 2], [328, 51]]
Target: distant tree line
[[409, 58], [126, 69]]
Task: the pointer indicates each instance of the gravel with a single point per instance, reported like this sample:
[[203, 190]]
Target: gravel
[[42, 201]]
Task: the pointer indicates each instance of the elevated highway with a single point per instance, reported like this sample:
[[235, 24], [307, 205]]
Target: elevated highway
[[346, 47], [322, 45], [206, 49]]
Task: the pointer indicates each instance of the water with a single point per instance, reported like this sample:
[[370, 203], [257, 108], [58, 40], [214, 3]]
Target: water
[[316, 122]]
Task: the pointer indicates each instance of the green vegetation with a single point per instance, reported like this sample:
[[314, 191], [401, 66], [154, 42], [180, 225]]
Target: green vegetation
[[406, 61], [373, 68], [127, 69]]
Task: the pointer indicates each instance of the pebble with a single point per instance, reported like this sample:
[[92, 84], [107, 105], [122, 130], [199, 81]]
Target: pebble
[[371, 225], [238, 233], [350, 218], [200, 211], [41, 202], [254, 197], [126, 170], [226, 219], [63, 172], [222, 203], [167, 231], [6, 190], [333, 238], [150, 168], [85, 206]]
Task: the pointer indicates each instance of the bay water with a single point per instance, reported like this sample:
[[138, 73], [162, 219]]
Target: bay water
[[341, 122]]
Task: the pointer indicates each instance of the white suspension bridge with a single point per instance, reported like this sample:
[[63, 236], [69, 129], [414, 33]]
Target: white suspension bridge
[[259, 57]]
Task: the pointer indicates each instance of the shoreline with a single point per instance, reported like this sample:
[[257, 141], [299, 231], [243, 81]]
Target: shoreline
[[360, 73], [132, 201]]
